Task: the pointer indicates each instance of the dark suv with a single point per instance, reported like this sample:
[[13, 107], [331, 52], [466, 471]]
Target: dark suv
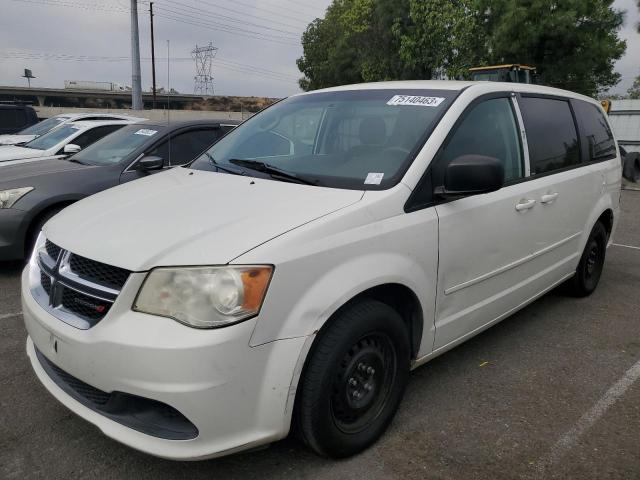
[[16, 117], [31, 193]]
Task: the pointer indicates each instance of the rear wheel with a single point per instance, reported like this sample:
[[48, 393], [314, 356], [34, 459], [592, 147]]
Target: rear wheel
[[589, 270], [354, 379]]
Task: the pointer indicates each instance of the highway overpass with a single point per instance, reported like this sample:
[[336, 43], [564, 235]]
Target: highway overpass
[[60, 97]]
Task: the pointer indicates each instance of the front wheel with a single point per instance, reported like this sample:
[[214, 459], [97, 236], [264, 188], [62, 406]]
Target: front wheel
[[354, 379], [589, 270]]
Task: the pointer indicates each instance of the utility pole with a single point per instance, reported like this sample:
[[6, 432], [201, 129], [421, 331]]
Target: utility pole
[[136, 78], [153, 56]]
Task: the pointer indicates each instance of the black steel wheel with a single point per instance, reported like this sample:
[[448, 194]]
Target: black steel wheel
[[353, 380], [589, 270]]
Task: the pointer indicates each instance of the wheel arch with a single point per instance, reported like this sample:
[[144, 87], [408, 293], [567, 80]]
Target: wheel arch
[[42, 213]]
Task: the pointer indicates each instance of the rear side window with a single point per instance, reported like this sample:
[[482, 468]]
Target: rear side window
[[597, 139], [551, 134], [489, 129]]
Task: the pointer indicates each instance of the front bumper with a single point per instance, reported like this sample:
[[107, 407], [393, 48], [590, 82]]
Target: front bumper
[[12, 233], [234, 394]]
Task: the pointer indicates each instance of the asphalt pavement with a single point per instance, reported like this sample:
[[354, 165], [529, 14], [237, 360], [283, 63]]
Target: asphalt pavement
[[552, 392]]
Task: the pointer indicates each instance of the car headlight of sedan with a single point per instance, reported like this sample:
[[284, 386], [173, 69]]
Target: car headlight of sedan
[[11, 196], [204, 297]]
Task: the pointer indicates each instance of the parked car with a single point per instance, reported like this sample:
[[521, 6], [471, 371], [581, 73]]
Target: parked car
[[357, 233], [36, 191], [61, 142], [45, 126], [16, 117]]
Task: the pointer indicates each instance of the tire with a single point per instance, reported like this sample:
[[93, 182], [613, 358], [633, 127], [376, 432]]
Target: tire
[[35, 229], [589, 270], [354, 380]]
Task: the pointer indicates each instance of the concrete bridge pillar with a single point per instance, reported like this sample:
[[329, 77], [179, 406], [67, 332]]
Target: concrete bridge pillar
[[41, 99]]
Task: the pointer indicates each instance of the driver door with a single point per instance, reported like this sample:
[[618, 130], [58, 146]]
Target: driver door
[[485, 241]]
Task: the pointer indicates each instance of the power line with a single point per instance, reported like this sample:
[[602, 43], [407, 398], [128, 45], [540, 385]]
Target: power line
[[257, 35], [244, 21], [224, 25]]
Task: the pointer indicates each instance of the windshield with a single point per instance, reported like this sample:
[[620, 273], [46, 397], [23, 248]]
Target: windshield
[[362, 139], [54, 137], [116, 147], [44, 126]]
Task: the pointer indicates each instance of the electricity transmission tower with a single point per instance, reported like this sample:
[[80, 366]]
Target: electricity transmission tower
[[204, 64]]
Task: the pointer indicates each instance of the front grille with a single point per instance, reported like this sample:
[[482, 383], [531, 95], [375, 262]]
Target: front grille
[[84, 305], [75, 289], [91, 270], [45, 281], [52, 249]]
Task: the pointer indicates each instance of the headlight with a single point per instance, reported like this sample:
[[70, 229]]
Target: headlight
[[204, 297], [11, 196]]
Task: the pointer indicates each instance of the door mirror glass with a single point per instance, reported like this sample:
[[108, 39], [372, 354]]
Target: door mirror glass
[[71, 148], [151, 163], [472, 175]]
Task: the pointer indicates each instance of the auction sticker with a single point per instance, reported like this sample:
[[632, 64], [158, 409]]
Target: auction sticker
[[415, 100], [374, 179], [146, 132]]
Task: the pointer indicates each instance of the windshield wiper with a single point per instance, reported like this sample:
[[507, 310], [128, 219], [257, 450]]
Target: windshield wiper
[[273, 172], [213, 162]]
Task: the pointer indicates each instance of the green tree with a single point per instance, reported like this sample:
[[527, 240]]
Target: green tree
[[573, 43], [634, 92]]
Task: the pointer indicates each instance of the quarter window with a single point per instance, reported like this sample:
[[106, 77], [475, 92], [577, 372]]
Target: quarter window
[[597, 139], [489, 129], [551, 134]]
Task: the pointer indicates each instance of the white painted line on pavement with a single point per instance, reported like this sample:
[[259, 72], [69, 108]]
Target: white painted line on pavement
[[570, 438], [9, 315], [625, 246]]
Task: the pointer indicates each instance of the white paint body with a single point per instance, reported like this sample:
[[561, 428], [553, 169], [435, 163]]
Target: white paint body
[[470, 263], [65, 118], [12, 154]]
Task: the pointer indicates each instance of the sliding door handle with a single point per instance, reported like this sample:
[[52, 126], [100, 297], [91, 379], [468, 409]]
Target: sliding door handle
[[549, 198], [525, 204]]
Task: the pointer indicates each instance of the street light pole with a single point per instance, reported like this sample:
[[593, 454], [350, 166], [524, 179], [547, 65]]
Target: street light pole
[[136, 78], [153, 56]]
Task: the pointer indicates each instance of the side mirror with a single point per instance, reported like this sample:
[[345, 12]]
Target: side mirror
[[472, 175], [151, 163], [71, 148]]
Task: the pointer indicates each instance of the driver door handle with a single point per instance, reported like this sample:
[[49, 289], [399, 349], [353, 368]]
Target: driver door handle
[[525, 204], [549, 198]]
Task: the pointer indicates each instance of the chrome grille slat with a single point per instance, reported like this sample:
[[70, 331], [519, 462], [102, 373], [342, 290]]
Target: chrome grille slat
[[80, 298]]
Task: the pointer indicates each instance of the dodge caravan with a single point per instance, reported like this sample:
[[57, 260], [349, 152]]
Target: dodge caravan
[[294, 273]]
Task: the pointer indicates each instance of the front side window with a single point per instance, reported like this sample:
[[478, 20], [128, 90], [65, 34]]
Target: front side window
[[361, 139], [54, 137], [597, 138], [488, 129], [184, 147], [551, 134], [44, 126]]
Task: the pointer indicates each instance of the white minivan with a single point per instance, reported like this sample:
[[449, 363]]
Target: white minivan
[[300, 268]]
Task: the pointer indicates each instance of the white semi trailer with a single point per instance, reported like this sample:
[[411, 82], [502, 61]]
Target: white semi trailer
[[90, 85]]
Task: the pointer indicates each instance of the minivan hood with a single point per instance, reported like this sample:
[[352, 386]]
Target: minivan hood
[[15, 139], [9, 152], [188, 217]]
